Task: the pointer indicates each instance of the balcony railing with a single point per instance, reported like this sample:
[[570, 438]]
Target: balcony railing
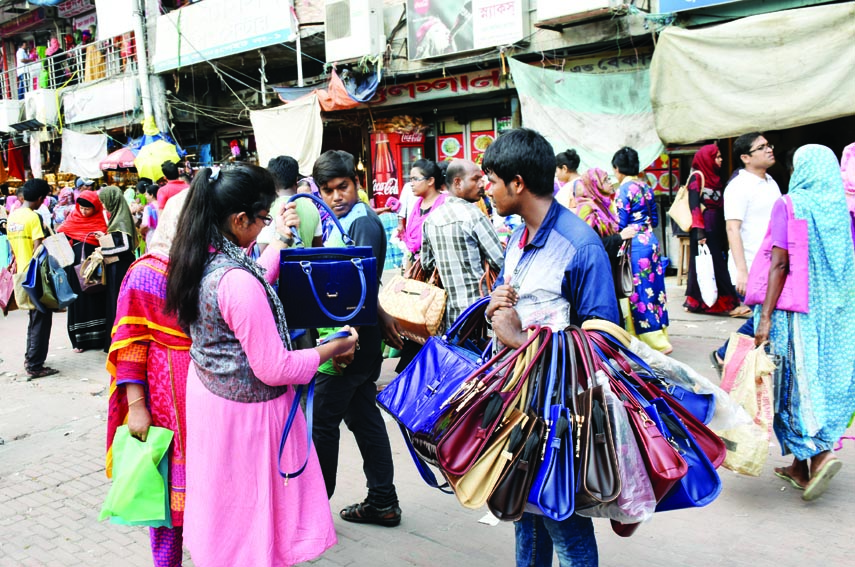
[[78, 66]]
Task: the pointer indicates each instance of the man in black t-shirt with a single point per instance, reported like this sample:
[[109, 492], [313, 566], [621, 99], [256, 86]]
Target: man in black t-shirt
[[345, 388]]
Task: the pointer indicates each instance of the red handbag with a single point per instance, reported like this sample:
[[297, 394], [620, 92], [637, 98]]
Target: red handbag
[[484, 407]]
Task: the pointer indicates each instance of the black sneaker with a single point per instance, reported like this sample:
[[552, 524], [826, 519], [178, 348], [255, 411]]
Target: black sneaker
[[365, 513]]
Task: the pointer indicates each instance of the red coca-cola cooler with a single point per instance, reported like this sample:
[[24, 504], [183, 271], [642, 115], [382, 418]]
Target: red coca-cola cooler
[[392, 158]]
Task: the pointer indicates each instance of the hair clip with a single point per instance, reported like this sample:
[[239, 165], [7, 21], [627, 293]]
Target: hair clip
[[215, 174]]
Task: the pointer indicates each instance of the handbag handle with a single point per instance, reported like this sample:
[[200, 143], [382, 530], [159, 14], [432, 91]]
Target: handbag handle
[[357, 262], [318, 201], [476, 309], [286, 430]]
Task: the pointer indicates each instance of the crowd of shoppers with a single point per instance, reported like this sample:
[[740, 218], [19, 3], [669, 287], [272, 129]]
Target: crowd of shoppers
[[199, 344]]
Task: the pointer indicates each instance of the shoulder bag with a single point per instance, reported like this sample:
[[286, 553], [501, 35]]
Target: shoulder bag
[[328, 287], [417, 306], [59, 248], [623, 276], [794, 297], [7, 285], [596, 460], [56, 290], [553, 489], [680, 210]]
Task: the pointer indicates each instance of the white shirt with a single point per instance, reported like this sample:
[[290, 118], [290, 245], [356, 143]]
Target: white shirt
[[407, 200], [750, 199], [20, 61]]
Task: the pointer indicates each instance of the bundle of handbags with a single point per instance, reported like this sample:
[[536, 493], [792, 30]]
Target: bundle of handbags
[[569, 422]]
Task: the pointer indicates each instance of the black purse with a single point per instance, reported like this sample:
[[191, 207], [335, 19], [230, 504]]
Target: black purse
[[114, 243]]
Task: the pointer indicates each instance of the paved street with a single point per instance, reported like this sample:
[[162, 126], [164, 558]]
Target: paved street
[[52, 485]]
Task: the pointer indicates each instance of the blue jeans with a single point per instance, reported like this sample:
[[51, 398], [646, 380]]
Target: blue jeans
[[573, 541]]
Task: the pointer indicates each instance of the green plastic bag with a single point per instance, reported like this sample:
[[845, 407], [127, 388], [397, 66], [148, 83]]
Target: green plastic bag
[[139, 494]]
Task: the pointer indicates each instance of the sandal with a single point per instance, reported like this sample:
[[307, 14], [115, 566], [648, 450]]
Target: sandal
[[742, 312], [819, 482], [718, 365], [41, 373], [782, 474], [365, 513]]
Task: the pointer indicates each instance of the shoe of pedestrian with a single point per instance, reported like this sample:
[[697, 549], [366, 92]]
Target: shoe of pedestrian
[[715, 362], [819, 482], [41, 373], [365, 513]]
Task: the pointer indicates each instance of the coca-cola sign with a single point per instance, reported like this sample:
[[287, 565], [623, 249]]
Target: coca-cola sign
[[414, 138]]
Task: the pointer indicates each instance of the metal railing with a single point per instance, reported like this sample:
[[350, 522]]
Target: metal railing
[[88, 63]]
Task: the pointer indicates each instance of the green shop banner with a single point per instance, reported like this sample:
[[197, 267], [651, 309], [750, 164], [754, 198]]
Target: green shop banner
[[596, 114]]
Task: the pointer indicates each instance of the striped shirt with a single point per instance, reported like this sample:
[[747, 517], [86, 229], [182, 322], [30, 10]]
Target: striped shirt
[[457, 238]]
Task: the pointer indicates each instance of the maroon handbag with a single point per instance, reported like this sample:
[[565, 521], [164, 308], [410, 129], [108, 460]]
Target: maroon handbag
[[468, 435], [665, 466]]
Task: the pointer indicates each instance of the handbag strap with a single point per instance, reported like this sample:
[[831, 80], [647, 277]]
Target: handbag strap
[[286, 430], [473, 314], [320, 202], [357, 262]]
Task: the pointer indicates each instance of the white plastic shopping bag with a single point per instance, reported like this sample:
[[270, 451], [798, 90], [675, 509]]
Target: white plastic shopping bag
[[706, 275]]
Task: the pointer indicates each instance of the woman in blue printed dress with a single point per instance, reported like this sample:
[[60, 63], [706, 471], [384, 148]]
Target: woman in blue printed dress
[[636, 207]]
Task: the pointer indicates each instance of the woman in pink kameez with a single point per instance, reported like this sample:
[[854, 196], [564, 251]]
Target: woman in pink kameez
[[239, 510]]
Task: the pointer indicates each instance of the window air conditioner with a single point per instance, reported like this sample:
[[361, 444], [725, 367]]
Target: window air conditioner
[[353, 29]]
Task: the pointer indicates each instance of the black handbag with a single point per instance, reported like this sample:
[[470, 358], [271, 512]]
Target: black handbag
[[328, 287]]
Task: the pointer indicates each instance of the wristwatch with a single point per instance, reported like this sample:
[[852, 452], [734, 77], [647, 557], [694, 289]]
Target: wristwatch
[[285, 240]]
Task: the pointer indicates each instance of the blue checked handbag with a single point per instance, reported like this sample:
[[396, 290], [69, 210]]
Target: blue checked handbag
[[328, 287]]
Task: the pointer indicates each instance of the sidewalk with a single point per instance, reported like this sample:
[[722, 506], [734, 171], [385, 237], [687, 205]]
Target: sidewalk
[[52, 485]]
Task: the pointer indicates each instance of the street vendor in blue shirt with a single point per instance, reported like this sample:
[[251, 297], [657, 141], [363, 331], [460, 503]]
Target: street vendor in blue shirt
[[556, 274]]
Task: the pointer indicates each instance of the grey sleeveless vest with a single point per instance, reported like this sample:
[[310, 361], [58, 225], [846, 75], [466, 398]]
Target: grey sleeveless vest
[[221, 363]]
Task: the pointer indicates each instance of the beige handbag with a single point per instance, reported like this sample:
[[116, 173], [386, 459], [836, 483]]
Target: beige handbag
[[680, 210], [418, 307], [59, 248]]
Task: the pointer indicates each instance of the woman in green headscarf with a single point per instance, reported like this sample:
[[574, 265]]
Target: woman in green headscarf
[[120, 225]]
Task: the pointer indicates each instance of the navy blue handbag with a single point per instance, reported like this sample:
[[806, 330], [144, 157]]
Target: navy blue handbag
[[328, 287], [552, 492], [32, 282]]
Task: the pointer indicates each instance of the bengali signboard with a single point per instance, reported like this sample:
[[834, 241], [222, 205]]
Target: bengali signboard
[[420, 91], [217, 28], [438, 28]]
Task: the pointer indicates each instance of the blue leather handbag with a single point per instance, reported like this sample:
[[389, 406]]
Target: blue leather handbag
[[552, 492], [32, 282], [328, 287], [417, 396], [701, 485]]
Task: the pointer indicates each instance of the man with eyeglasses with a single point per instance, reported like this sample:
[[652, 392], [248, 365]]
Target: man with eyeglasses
[[748, 202]]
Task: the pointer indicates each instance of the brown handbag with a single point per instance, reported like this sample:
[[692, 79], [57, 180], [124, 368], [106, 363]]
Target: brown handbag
[[596, 460], [508, 500]]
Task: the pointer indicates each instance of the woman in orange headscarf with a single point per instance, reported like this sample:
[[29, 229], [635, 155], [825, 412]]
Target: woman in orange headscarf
[[87, 316]]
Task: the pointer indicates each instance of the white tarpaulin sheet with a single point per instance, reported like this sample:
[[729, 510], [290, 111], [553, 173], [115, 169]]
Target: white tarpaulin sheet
[[82, 153], [766, 72], [596, 114], [115, 17], [295, 130]]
